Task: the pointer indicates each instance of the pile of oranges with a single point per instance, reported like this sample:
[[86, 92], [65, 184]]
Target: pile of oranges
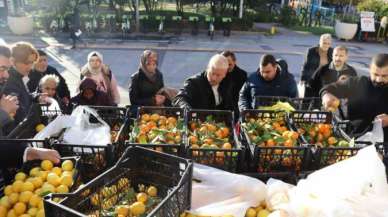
[[320, 134]]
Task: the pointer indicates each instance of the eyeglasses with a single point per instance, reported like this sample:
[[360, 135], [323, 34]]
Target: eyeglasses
[[4, 68]]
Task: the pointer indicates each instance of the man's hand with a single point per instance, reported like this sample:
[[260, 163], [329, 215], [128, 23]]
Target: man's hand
[[159, 99], [9, 104], [330, 102], [43, 154], [384, 119]]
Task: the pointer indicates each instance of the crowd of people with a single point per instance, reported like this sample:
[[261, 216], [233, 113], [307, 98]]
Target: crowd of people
[[26, 79]]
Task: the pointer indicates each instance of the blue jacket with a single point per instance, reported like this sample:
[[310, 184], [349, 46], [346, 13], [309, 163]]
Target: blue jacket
[[283, 84]]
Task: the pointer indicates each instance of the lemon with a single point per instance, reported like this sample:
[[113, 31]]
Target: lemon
[[43, 175], [13, 198], [20, 208], [20, 176], [41, 205], [122, 210], [27, 186], [67, 180], [53, 179], [11, 213], [47, 188], [25, 215], [57, 171], [39, 127], [67, 173], [67, 165], [4, 201], [62, 189], [3, 211], [137, 208], [37, 182], [142, 197], [8, 190], [34, 171], [17, 186], [46, 165], [32, 211], [25, 196], [250, 213], [263, 213], [38, 191], [40, 213], [34, 200], [152, 191]]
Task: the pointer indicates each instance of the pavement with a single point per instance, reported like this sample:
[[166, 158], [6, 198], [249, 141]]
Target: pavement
[[185, 55]]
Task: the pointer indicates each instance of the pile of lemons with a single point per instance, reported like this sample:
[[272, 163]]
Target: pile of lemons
[[23, 198]]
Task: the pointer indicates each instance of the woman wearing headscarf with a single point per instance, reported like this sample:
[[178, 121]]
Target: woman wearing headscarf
[[102, 75], [147, 83], [89, 95]]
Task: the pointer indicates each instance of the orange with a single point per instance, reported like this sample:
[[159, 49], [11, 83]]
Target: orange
[[270, 142], [227, 146], [288, 143], [332, 140]]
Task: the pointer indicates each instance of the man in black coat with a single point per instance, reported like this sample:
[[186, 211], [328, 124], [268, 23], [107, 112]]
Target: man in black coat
[[8, 104], [41, 68], [338, 69], [205, 90], [366, 96], [235, 76], [24, 56]]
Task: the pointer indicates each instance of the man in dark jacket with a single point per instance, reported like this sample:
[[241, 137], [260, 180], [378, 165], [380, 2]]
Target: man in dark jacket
[[89, 95], [41, 68], [317, 56], [338, 69], [8, 104], [235, 76], [270, 80], [366, 96], [205, 90], [23, 57]]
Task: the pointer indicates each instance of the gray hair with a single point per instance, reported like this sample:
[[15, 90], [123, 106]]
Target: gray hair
[[217, 61], [48, 78], [326, 36]]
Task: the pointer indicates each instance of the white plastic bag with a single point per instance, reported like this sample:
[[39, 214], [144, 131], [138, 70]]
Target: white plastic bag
[[84, 132], [220, 193], [336, 191], [54, 127], [375, 135]]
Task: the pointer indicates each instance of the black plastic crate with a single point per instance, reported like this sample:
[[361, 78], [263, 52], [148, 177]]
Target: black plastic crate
[[123, 137], [269, 100], [278, 158], [174, 149], [323, 155], [114, 116], [307, 104], [47, 114], [169, 174], [94, 160], [227, 159]]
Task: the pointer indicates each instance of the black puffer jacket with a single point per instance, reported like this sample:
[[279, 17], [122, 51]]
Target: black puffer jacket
[[312, 62]]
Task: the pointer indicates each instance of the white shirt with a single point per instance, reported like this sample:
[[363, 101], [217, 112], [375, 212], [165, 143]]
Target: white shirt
[[216, 94], [25, 82]]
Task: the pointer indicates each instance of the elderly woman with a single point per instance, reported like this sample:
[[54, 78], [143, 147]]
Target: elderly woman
[[48, 86], [90, 95], [102, 75], [317, 56], [147, 83]]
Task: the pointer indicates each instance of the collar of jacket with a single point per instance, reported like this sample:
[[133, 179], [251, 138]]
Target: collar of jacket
[[332, 67], [14, 73]]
